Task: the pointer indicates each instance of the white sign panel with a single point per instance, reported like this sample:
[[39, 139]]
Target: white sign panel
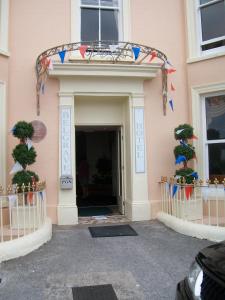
[[66, 141], [139, 140]]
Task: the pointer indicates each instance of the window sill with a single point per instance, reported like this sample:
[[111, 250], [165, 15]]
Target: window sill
[[204, 57], [4, 52]]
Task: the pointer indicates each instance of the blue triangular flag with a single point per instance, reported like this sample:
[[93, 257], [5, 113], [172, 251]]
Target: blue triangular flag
[[171, 104], [136, 51], [175, 188], [62, 55], [180, 159], [195, 175], [43, 88]]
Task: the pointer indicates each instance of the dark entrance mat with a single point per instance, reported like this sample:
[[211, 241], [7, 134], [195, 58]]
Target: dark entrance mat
[[93, 211], [111, 231], [94, 292]]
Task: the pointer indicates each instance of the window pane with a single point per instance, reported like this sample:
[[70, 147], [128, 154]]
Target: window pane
[[89, 24], [205, 1], [217, 161], [213, 21], [113, 3], [215, 117], [109, 25], [90, 2]]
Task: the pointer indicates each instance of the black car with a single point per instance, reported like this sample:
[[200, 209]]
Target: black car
[[206, 278]]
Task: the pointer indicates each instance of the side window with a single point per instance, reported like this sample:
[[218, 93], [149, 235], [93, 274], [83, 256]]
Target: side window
[[100, 20], [212, 24], [214, 110]]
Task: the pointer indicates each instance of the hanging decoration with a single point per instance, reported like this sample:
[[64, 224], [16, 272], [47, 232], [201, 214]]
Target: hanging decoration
[[83, 49], [180, 159], [175, 189], [171, 104], [172, 87], [114, 51], [136, 51], [188, 191], [16, 168], [62, 55]]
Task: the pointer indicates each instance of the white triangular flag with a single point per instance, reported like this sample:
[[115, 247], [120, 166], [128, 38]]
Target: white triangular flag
[[179, 131], [12, 200], [113, 48], [29, 143], [16, 168], [50, 64]]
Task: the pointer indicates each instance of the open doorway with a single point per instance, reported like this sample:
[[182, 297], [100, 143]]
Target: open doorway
[[99, 170]]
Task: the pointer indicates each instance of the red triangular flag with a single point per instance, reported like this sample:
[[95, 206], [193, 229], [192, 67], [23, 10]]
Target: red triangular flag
[[170, 71], [153, 55], [172, 87], [83, 49], [188, 191], [194, 137], [30, 197]]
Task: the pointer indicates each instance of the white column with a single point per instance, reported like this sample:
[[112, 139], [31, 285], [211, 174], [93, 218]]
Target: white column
[[67, 208], [139, 209]]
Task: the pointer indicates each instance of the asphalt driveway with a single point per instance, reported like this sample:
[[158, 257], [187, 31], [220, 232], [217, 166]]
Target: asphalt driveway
[[147, 266]]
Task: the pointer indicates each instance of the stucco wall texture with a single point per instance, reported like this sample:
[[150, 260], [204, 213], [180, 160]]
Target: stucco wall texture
[[38, 25]]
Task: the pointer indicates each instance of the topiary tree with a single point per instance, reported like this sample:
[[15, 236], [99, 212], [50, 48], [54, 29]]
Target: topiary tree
[[185, 152], [24, 153]]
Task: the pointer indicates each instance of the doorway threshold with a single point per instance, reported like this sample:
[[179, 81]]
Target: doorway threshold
[[112, 219]]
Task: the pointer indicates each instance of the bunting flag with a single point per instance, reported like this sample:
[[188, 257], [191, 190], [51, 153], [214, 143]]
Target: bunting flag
[[180, 159], [172, 87], [50, 64], [194, 137], [169, 69], [153, 56], [186, 145], [179, 131], [113, 48], [16, 168], [195, 175], [28, 143], [175, 189], [45, 62], [12, 200], [188, 191], [171, 104], [136, 51], [83, 49], [30, 197], [62, 55]]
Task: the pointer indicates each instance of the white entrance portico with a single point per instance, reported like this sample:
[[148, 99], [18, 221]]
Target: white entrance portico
[[104, 94]]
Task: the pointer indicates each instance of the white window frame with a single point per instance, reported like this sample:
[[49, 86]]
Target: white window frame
[[99, 8], [3, 135], [201, 42], [124, 20], [4, 24], [194, 34], [199, 93], [207, 142]]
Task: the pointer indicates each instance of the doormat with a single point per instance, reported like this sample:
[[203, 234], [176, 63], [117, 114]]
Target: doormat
[[93, 211], [94, 292], [111, 231]]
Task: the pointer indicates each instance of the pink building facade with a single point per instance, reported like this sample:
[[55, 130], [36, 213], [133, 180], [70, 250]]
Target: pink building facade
[[106, 102]]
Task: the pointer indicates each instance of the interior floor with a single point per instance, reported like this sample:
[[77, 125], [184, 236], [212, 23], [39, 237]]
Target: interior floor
[[97, 168]]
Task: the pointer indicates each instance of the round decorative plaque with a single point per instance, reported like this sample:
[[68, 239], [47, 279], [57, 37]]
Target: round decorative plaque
[[40, 131]]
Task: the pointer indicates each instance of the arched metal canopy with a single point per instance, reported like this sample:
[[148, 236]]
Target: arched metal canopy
[[111, 51]]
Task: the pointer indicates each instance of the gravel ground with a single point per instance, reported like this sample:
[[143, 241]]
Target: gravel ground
[[147, 266]]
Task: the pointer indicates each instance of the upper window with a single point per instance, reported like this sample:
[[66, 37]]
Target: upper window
[[212, 21], [215, 136], [100, 20]]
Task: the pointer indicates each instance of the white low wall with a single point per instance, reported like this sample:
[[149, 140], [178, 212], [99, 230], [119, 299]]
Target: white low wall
[[201, 231], [26, 244]]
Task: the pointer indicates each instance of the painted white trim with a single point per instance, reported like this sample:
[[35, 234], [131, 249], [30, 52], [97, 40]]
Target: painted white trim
[[198, 92], [200, 231], [111, 70], [3, 133], [4, 24], [76, 21], [194, 35], [26, 244]]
